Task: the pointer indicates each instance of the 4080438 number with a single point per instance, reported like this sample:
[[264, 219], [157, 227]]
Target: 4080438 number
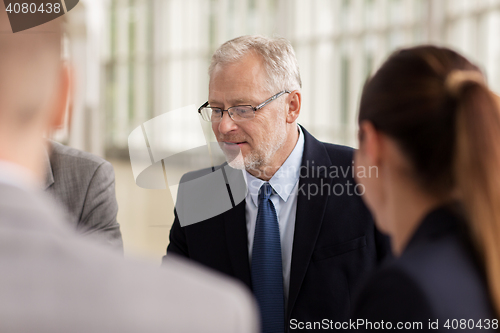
[[471, 324], [33, 8]]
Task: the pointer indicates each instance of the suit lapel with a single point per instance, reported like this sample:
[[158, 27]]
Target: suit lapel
[[310, 212], [49, 176], [237, 242]]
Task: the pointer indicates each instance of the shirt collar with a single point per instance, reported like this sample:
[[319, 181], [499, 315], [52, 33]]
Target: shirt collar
[[285, 179], [17, 175]]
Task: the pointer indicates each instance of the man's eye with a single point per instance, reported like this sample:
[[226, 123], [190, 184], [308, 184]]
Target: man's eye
[[217, 111], [242, 110]]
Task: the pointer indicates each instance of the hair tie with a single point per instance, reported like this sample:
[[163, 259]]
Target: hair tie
[[456, 79]]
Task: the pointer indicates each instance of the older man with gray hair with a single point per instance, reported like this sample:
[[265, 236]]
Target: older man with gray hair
[[301, 239]]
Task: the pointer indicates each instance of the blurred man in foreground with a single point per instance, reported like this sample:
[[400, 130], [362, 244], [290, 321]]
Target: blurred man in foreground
[[53, 281]]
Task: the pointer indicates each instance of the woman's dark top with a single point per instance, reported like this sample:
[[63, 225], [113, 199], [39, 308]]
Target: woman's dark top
[[437, 281]]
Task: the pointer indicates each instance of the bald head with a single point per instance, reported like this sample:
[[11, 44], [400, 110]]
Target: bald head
[[33, 92], [29, 69]]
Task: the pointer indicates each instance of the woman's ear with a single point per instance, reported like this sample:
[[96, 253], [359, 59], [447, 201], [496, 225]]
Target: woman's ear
[[294, 102], [370, 143]]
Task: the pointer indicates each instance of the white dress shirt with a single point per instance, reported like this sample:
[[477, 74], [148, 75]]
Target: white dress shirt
[[17, 175], [285, 185]]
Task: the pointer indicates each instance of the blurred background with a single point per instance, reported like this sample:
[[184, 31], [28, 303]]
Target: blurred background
[[137, 59]]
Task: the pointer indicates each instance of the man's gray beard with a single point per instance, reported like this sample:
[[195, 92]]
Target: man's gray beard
[[256, 161], [250, 162], [237, 162]]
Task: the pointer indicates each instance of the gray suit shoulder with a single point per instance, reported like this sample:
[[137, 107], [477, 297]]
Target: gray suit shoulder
[[71, 156], [75, 169], [84, 184]]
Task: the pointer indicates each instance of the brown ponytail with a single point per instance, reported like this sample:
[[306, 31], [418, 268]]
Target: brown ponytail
[[477, 172], [435, 104]]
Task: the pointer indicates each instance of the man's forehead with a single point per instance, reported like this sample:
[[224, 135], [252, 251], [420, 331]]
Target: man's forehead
[[239, 96], [250, 67], [225, 78], [239, 82]]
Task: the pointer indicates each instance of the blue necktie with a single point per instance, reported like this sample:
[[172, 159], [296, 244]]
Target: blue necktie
[[267, 274]]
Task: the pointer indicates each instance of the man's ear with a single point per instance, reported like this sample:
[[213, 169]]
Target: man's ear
[[62, 99], [294, 102], [370, 142]]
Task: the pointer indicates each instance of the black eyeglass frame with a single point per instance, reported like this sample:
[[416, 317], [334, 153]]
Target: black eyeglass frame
[[254, 108]]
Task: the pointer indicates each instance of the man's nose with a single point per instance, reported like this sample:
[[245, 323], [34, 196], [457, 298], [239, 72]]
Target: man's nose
[[226, 124]]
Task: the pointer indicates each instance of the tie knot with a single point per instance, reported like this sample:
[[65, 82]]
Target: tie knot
[[265, 191]]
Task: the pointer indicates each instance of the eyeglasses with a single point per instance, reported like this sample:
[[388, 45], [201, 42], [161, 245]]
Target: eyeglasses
[[237, 113]]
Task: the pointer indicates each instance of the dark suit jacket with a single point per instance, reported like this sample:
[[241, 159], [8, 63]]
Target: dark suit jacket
[[437, 277], [84, 185], [335, 241]]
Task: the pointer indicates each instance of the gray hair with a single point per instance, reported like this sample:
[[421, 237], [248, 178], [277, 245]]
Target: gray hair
[[279, 59]]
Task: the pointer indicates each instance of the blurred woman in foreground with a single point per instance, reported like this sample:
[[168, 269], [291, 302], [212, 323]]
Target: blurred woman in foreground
[[431, 126]]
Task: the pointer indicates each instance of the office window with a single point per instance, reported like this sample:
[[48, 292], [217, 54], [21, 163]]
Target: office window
[[159, 51]]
